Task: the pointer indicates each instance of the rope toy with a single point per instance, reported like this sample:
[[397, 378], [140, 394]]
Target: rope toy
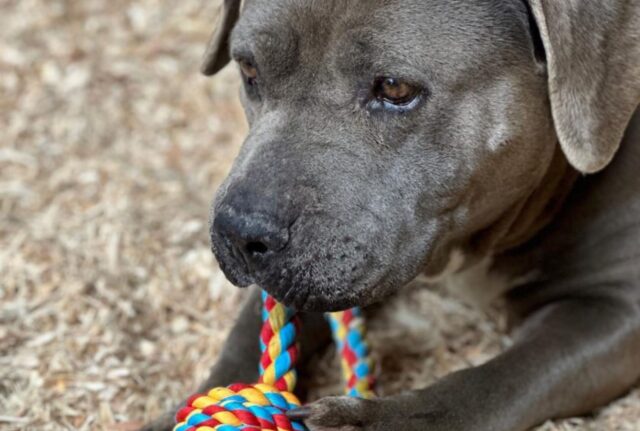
[[263, 406]]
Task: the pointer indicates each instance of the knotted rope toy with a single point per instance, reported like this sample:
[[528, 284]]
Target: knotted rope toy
[[263, 406]]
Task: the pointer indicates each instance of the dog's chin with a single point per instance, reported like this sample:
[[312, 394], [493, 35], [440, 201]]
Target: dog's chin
[[308, 296], [301, 301]]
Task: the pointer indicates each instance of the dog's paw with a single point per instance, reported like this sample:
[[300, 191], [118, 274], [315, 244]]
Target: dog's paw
[[337, 414], [165, 422]]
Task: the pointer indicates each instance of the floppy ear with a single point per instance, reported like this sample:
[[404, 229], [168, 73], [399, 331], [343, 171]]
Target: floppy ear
[[592, 49], [217, 53]]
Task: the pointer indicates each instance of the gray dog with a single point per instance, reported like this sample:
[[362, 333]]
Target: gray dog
[[390, 138]]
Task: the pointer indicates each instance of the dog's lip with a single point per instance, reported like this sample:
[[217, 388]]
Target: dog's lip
[[240, 278], [308, 302]]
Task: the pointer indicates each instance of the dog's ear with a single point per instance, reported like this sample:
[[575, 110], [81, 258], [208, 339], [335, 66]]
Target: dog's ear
[[592, 50], [217, 53]]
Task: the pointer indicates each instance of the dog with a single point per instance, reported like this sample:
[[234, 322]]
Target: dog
[[391, 138]]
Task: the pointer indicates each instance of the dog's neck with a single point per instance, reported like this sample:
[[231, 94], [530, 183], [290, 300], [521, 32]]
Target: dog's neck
[[469, 273], [524, 220]]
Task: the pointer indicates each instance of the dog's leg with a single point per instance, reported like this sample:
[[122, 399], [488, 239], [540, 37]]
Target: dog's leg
[[239, 358], [570, 356]]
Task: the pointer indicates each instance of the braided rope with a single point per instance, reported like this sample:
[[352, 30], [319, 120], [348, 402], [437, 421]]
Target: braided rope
[[349, 335], [263, 406], [278, 345]]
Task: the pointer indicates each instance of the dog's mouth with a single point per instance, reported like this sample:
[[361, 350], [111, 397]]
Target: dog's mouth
[[304, 286], [325, 265]]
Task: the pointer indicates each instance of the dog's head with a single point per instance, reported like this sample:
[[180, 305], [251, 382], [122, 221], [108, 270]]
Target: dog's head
[[386, 134]]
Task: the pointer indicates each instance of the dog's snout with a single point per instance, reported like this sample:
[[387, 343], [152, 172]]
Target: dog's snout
[[253, 237]]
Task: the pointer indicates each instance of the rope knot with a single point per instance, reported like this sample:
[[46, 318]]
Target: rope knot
[[263, 406], [239, 407]]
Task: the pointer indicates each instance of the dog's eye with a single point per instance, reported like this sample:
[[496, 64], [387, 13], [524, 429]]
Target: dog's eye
[[393, 95], [393, 90], [249, 72]]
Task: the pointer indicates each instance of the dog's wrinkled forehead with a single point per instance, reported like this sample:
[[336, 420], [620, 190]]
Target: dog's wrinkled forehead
[[453, 36]]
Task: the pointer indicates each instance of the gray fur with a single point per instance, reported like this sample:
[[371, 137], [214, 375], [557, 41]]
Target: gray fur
[[378, 197], [519, 98]]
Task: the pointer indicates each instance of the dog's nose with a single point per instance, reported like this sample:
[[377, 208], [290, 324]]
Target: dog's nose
[[253, 236]]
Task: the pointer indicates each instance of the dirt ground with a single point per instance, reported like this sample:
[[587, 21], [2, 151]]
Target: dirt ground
[[111, 305]]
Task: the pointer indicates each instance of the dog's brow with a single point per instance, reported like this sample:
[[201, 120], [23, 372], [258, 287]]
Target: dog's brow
[[272, 50], [359, 55]]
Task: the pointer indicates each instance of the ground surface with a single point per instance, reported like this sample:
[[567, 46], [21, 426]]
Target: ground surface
[[111, 145]]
